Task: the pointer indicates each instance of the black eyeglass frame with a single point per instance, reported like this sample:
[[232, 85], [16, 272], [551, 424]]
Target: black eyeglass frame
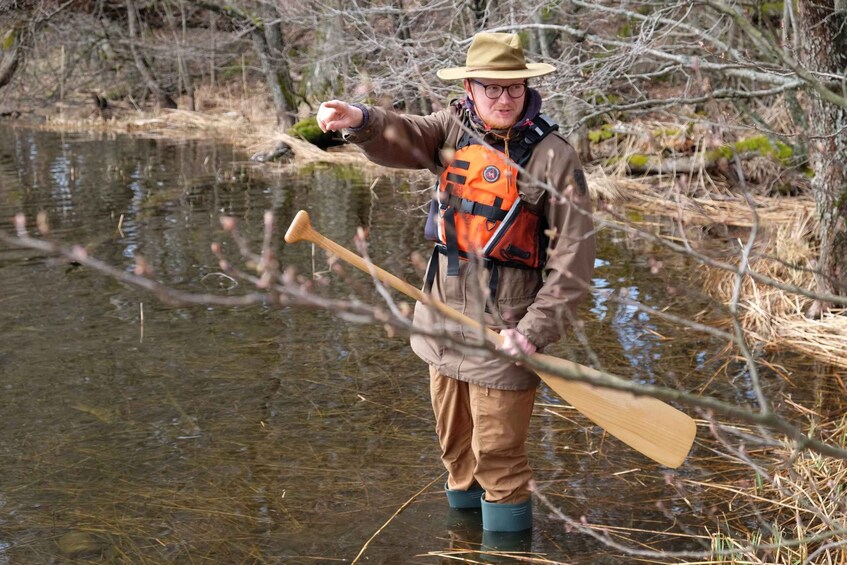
[[488, 88]]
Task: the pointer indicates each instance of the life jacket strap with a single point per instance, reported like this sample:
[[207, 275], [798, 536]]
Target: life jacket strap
[[492, 266], [542, 125], [431, 270], [452, 242], [493, 281], [465, 206], [520, 152]]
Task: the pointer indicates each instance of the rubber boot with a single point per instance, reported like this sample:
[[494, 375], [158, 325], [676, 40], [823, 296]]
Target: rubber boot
[[471, 498], [506, 517]]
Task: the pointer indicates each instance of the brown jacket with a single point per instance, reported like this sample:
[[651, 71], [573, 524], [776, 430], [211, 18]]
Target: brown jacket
[[541, 307]]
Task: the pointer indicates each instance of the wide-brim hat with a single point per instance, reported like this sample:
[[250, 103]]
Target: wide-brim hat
[[497, 56]]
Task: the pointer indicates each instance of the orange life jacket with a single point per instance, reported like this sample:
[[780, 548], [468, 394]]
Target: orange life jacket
[[480, 212]]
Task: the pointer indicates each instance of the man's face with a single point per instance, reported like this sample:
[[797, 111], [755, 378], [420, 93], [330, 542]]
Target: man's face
[[503, 111]]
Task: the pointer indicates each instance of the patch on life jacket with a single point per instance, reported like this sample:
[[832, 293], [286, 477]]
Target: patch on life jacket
[[579, 179], [491, 173]]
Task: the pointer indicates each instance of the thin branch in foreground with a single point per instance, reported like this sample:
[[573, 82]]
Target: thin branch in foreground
[[592, 531]]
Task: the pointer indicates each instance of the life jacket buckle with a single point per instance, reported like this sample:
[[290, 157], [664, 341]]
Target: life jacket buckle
[[467, 206]]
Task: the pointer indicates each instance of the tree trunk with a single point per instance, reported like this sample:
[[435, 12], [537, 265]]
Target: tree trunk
[[187, 83], [269, 44], [539, 38], [9, 61], [280, 67], [16, 42], [824, 50], [480, 10], [162, 97], [414, 102], [260, 44]]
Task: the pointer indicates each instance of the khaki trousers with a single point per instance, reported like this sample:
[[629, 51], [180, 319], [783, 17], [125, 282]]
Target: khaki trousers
[[482, 432]]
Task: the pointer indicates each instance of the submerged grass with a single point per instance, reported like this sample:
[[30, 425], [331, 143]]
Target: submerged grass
[[795, 512], [760, 505]]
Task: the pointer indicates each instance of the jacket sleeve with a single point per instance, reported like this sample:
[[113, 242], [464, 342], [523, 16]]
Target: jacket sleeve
[[572, 249], [402, 140]]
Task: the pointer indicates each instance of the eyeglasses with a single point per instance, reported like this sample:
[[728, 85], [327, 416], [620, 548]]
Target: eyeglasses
[[494, 91]]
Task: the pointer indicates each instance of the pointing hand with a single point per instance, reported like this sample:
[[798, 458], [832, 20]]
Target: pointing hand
[[335, 115]]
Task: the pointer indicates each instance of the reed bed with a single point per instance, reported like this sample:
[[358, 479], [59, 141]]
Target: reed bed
[[664, 197], [823, 339], [784, 251], [775, 316], [758, 505], [791, 513]]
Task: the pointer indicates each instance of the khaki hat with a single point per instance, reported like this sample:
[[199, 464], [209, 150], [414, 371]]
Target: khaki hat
[[496, 55]]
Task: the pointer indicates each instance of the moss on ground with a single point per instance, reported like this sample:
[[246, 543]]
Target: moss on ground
[[637, 160]]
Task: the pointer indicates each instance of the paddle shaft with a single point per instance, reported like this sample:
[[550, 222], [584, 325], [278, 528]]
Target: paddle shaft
[[303, 230], [646, 424]]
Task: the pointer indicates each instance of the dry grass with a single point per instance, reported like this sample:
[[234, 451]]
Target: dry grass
[[668, 197], [783, 252], [241, 118], [801, 501], [776, 317], [611, 188], [823, 339]]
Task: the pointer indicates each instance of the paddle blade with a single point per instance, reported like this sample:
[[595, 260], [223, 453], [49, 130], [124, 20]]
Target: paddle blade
[[646, 424]]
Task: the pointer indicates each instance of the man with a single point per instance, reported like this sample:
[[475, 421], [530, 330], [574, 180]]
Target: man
[[527, 235]]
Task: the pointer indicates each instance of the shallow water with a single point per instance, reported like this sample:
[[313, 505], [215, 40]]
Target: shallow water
[[139, 432]]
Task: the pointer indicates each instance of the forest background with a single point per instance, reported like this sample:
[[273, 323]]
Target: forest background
[[727, 118]]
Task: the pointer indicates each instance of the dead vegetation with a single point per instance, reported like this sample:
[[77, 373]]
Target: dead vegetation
[[774, 315], [795, 496]]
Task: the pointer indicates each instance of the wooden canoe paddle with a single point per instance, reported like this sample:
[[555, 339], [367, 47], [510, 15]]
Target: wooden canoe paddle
[[648, 425]]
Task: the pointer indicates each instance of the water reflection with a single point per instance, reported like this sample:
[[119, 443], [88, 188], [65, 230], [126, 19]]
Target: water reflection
[[138, 432]]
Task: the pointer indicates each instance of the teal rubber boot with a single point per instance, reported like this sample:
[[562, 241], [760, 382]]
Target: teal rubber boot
[[471, 498], [506, 517]]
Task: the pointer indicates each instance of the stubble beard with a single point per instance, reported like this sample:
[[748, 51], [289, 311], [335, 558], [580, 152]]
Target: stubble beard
[[497, 122]]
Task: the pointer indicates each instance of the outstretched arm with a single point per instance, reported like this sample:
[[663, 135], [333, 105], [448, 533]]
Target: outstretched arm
[[388, 138]]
